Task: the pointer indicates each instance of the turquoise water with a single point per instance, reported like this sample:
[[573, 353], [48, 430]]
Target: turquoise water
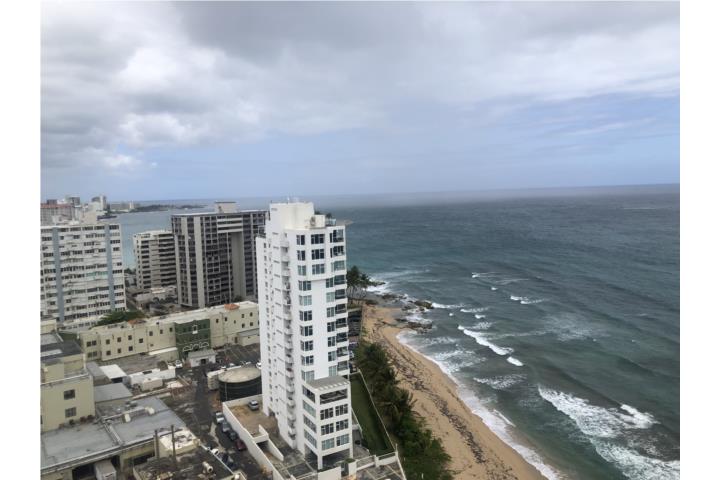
[[557, 314]]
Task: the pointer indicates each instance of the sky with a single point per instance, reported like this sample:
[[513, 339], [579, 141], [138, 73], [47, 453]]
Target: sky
[[153, 101]]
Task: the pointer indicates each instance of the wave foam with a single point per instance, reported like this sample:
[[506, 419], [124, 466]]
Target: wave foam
[[481, 340], [493, 288], [604, 426], [446, 307], [475, 310], [502, 382], [515, 361], [526, 300], [479, 317]]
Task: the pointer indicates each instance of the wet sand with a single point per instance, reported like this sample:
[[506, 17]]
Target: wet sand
[[477, 453]]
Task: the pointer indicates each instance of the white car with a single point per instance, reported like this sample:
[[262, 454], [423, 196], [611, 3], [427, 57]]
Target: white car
[[178, 364], [258, 365]]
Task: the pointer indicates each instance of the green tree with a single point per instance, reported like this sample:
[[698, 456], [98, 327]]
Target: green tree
[[119, 316]]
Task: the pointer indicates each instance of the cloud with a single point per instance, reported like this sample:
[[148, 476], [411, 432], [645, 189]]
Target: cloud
[[139, 76]]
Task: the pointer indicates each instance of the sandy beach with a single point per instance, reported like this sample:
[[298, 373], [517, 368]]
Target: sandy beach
[[477, 453]]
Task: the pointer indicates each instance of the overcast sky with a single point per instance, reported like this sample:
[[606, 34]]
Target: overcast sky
[[202, 100]]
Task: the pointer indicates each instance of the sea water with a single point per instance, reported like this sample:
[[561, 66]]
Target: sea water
[[557, 313]]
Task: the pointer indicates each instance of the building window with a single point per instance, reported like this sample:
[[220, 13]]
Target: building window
[[302, 270], [308, 408], [70, 412], [130, 348], [107, 341], [317, 239], [318, 254], [331, 341], [318, 269], [119, 339], [306, 331], [306, 346], [305, 300], [343, 439], [141, 340], [119, 350], [69, 394], [300, 239], [326, 429], [330, 296], [341, 425], [309, 360], [325, 414], [331, 327], [304, 285], [309, 423], [301, 255], [129, 337], [108, 353], [150, 333], [327, 444], [308, 376], [329, 282], [332, 356], [305, 316], [341, 410]]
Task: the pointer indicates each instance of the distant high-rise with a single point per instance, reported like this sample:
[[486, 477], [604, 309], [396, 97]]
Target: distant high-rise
[[304, 329], [154, 259], [81, 270], [215, 255]]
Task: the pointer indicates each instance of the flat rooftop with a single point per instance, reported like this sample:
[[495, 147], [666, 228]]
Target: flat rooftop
[[110, 392], [85, 443], [50, 351], [189, 466]]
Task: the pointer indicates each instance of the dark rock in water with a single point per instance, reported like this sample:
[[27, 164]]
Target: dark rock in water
[[407, 308], [423, 304], [389, 296]]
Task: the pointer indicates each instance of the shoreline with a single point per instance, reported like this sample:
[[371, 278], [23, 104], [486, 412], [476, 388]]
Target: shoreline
[[476, 451]]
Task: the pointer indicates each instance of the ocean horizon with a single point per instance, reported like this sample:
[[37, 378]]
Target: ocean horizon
[[556, 312]]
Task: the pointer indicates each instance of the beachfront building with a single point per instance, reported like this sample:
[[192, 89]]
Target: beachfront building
[[81, 268], [303, 330], [53, 212], [173, 336], [154, 259], [215, 255]]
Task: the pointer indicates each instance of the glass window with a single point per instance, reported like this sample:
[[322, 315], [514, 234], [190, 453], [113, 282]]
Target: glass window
[[318, 269], [68, 394], [70, 412], [300, 239], [318, 254]]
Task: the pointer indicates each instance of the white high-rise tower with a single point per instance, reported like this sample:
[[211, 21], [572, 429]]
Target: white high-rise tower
[[304, 330]]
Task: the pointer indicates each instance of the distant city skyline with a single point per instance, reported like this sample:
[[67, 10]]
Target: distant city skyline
[[197, 100]]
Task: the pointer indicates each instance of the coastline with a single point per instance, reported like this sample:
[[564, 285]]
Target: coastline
[[476, 452]]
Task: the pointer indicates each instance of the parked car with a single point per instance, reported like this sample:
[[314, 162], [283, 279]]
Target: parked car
[[219, 417], [240, 445], [225, 427], [233, 436], [254, 405], [258, 365], [178, 364], [230, 365], [215, 451]]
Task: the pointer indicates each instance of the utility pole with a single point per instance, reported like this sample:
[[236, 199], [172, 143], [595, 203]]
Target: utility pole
[[172, 437]]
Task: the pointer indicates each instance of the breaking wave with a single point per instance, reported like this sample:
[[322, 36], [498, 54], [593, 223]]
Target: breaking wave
[[515, 361], [481, 340], [605, 426]]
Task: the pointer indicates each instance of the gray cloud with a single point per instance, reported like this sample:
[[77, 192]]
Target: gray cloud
[[118, 78]]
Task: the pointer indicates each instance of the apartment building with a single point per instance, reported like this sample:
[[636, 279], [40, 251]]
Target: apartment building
[[154, 259], [215, 255], [53, 212], [303, 329], [66, 387], [175, 335], [81, 270]]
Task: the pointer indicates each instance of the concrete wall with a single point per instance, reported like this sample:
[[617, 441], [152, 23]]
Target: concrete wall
[[53, 403], [249, 440]]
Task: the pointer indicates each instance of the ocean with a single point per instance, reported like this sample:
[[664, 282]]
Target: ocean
[[557, 313]]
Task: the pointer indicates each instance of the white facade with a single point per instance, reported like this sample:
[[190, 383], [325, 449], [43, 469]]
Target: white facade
[[154, 259], [81, 270], [303, 329]]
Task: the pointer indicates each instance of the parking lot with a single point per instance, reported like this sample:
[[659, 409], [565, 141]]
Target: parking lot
[[197, 408]]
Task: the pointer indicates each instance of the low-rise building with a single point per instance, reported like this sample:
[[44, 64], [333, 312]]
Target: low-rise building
[[213, 327], [66, 387]]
